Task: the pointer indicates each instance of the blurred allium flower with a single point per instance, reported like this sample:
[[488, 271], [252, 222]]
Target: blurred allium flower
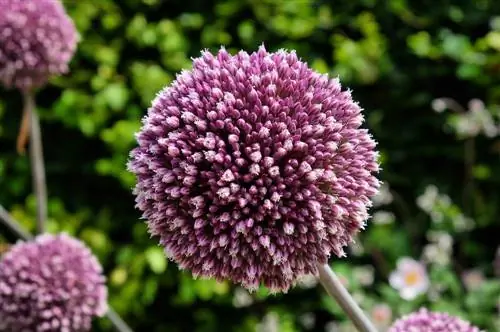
[[52, 283], [381, 315], [410, 278], [254, 168], [427, 321], [37, 40]]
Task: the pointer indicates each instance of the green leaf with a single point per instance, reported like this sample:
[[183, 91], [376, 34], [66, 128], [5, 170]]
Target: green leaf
[[156, 259]]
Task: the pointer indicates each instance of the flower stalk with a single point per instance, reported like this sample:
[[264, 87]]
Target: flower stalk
[[334, 287], [37, 162]]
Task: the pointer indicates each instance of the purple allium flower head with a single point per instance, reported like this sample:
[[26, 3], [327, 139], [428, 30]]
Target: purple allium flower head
[[254, 168], [427, 321], [52, 283], [37, 40]]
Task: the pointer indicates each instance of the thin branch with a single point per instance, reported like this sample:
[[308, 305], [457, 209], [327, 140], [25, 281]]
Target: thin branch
[[14, 227], [37, 164], [334, 287]]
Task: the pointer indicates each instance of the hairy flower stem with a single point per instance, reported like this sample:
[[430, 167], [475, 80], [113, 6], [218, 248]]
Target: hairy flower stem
[[37, 163], [334, 287], [14, 227]]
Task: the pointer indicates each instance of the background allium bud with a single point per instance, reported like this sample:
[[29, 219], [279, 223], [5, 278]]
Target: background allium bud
[[427, 321], [52, 283], [37, 40], [254, 168]]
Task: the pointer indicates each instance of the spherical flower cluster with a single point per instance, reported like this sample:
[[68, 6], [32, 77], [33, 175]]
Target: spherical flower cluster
[[52, 283], [37, 40], [427, 321], [254, 168]]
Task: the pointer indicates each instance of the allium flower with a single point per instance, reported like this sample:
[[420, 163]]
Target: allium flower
[[427, 321], [37, 40], [410, 278], [52, 283], [253, 167]]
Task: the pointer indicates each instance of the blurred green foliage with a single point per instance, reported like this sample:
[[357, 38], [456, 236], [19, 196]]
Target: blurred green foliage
[[398, 56]]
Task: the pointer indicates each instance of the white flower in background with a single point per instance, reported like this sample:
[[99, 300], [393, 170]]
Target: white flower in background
[[241, 298], [468, 122], [410, 278], [381, 315], [332, 327], [434, 254], [437, 217], [364, 275], [383, 217], [307, 320], [472, 279], [270, 323], [465, 126], [339, 327], [428, 199], [462, 223], [434, 294], [483, 118], [439, 105], [443, 239], [308, 281], [356, 247], [383, 197], [440, 249], [437, 206]]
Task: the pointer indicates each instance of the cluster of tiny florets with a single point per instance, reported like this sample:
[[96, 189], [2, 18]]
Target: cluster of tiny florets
[[254, 168], [37, 40], [427, 321], [52, 283]]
